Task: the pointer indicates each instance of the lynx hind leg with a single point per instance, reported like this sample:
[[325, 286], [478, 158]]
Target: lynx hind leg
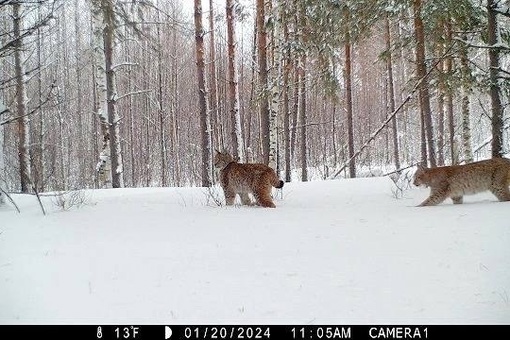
[[457, 200], [499, 185], [435, 197], [245, 199], [263, 197], [503, 193]]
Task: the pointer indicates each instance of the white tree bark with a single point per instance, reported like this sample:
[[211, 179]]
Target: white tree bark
[[103, 166], [3, 109], [275, 83]]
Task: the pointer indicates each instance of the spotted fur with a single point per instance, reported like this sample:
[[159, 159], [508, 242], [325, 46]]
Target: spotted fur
[[458, 180], [245, 179]]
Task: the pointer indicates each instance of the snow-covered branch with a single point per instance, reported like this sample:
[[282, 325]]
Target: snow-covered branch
[[132, 94], [499, 46], [114, 67], [503, 11]]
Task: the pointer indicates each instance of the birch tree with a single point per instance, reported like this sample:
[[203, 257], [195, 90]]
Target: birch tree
[[107, 16], [103, 167], [205, 124], [263, 77], [3, 186]]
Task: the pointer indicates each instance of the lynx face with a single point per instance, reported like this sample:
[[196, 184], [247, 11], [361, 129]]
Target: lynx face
[[222, 159], [420, 177]]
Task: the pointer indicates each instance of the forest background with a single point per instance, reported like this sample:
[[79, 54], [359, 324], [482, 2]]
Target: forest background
[[139, 93]]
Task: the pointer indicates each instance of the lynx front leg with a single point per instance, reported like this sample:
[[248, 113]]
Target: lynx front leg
[[435, 197], [457, 200], [245, 199], [499, 186], [230, 196]]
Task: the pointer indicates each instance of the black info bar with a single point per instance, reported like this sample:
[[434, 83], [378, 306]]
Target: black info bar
[[248, 332]]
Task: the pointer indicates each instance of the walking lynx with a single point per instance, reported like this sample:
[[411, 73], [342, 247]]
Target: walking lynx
[[243, 179], [458, 180]]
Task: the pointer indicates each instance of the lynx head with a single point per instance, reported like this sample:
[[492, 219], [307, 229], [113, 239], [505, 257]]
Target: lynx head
[[222, 159], [421, 176]]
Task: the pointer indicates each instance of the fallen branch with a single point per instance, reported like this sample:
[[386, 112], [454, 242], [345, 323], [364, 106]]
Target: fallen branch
[[10, 199], [39, 199]]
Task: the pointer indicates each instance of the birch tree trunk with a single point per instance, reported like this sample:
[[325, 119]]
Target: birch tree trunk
[[274, 83], [495, 88], [287, 65], [175, 107], [21, 98], [205, 125], [103, 166], [233, 90], [263, 78], [3, 186]]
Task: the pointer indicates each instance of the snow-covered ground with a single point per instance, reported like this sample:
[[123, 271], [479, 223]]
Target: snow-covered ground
[[332, 252]]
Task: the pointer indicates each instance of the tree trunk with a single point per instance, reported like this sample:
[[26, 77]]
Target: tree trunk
[[466, 121], [213, 84], [285, 107], [111, 93], [82, 161], [391, 95], [275, 83], [205, 127], [38, 155], [175, 139], [233, 90], [441, 113], [21, 98], [495, 88], [348, 105], [263, 78], [103, 166], [3, 186], [449, 100], [161, 112], [302, 118], [421, 72]]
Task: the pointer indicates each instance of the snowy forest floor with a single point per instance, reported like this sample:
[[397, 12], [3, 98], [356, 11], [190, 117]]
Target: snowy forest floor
[[332, 252]]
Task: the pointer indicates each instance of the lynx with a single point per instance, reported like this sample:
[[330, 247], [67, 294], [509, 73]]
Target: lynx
[[459, 180], [243, 179]]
